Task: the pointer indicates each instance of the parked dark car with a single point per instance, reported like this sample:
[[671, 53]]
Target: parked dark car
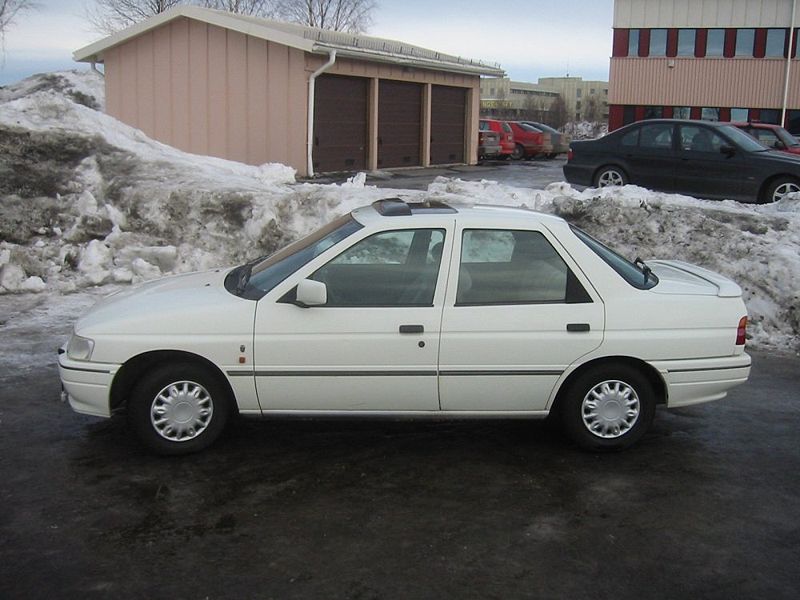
[[698, 158], [772, 136]]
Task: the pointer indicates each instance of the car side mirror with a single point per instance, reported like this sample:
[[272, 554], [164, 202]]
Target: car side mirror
[[779, 145], [311, 293], [727, 150]]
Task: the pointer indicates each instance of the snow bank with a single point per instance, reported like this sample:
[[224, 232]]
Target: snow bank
[[87, 201]]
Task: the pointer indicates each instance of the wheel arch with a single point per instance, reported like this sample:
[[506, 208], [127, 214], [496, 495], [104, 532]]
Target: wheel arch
[[649, 371], [130, 372], [767, 183], [606, 166]]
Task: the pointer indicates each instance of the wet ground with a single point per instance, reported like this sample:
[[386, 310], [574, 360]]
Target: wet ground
[[705, 506], [535, 174]]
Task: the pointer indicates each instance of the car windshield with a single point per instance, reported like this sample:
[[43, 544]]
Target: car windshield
[[547, 128], [530, 128], [637, 274], [261, 275], [741, 139], [787, 138]]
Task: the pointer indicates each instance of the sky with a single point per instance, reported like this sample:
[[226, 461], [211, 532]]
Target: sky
[[529, 39]]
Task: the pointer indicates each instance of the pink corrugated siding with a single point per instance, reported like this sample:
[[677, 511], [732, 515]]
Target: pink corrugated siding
[[727, 82]]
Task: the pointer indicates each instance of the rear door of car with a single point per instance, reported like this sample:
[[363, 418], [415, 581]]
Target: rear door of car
[[518, 311], [651, 158]]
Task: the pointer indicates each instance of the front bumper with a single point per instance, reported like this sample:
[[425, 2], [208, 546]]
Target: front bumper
[[87, 385]]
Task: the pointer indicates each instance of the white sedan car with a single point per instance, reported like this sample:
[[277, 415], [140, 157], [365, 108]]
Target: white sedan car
[[414, 309]]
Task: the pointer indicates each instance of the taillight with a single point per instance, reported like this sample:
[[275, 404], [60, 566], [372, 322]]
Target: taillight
[[741, 331], [570, 155]]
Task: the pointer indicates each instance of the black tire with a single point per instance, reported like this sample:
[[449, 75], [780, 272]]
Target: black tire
[[784, 184], [203, 403], [613, 428], [518, 153], [610, 176]]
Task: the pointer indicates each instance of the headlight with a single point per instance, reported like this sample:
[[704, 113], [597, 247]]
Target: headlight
[[79, 348]]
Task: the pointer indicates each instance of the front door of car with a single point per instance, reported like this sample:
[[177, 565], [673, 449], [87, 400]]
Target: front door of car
[[650, 156], [518, 312], [704, 170], [373, 345]]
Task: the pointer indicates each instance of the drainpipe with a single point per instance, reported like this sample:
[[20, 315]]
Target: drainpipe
[[310, 137], [96, 70], [788, 64]]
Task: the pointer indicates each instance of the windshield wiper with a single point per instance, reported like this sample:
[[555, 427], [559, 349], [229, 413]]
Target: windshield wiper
[[645, 269]]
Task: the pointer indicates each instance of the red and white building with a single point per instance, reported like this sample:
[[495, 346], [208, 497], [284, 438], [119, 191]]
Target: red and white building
[[727, 60]]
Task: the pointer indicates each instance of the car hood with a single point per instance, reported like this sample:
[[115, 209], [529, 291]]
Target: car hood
[[196, 302], [677, 277]]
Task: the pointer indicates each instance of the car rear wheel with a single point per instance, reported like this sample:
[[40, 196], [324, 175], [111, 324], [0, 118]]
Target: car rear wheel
[[610, 176], [519, 152], [178, 409], [608, 408], [780, 188]]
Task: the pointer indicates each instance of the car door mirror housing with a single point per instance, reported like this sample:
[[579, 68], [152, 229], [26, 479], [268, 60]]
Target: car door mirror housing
[[727, 150], [311, 293]]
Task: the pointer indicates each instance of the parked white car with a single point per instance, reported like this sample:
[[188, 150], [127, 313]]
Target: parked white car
[[414, 310]]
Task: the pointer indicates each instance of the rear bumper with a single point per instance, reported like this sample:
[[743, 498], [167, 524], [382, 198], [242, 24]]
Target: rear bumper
[[578, 175], [489, 150], [87, 385], [702, 380]]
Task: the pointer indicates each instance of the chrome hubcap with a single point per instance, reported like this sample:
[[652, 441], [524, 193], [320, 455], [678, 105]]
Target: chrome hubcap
[[608, 178], [181, 411], [784, 189], [610, 409]]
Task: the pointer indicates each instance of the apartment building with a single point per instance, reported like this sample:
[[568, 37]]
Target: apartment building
[[502, 95], [705, 59]]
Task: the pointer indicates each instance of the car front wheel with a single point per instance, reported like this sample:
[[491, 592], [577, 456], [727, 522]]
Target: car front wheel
[[608, 408], [780, 188], [610, 176], [178, 409]]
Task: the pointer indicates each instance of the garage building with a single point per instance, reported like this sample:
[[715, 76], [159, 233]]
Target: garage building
[[256, 91]]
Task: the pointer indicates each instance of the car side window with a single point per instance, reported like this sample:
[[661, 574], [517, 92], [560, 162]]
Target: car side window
[[391, 268], [630, 139], [511, 267], [484, 126], [507, 128], [657, 136], [695, 138]]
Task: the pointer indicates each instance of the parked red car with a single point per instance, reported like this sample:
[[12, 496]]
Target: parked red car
[[503, 129], [528, 142], [488, 144], [772, 136]]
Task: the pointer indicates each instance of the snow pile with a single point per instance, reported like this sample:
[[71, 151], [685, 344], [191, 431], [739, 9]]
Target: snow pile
[[88, 201], [586, 130]]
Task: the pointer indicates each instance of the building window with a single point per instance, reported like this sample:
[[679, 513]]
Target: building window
[[776, 39], [658, 42], [709, 114], [794, 120], [770, 115], [653, 112], [592, 92], [578, 93], [739, 115], [578, 105], [686, 42], [633, 42], [715, 43], [605, 92], [628, 114], [745, 42], [577, 116], [681, 112]]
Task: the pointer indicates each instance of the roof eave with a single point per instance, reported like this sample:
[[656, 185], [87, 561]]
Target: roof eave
[[94, 52], [412, 62]]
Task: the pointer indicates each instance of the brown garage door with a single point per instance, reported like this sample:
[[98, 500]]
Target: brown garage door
[[340, 123], [399, 124], [448, 124]]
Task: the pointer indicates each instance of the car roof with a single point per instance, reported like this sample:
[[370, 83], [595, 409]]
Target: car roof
[[674, 121], [756, 125], [464, 212]]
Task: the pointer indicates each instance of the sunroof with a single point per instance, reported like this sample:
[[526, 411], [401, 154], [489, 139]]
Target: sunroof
[[395, 207]]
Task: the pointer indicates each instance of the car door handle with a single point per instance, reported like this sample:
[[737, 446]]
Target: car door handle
[[578, 327], [412, 329]]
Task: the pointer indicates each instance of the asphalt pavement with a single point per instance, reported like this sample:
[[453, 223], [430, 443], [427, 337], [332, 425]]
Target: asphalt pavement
[[705, 506]]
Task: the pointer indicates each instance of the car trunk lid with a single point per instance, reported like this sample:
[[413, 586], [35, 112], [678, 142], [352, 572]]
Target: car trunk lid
[[678, 277]]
